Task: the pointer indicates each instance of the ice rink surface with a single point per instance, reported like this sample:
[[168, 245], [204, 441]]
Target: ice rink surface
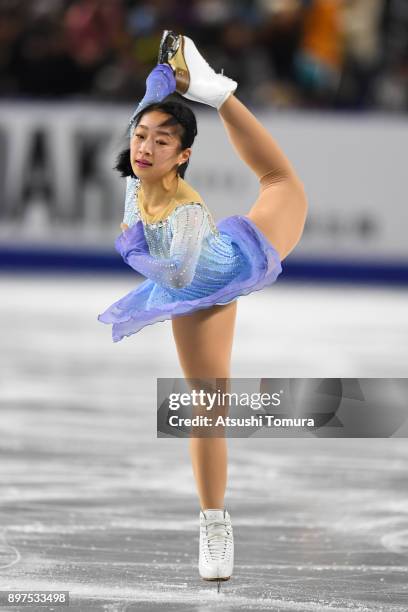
[[93, 503]]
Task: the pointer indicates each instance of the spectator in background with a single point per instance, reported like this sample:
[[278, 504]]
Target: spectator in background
[[51, 9], [391, 89], [319, 59], [279, 35], [94, 30], [395, 28], [361, 21], [42, 65], [11, 28]]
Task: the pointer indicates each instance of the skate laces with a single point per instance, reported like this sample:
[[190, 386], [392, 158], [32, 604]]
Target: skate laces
[[218, 535]]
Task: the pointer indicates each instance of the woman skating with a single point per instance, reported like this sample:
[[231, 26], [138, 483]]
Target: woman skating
[[196, 269]]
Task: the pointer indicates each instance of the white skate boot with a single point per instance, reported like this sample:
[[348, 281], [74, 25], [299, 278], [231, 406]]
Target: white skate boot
[[216, 545], [195, 79]]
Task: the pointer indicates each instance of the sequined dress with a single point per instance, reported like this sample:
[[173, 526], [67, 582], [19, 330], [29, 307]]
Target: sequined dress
[[190, 261]]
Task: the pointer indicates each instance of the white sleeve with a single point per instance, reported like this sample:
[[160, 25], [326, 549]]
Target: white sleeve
[[131, 213]]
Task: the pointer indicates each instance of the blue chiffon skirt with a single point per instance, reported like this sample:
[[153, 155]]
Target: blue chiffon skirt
[[248, 263]]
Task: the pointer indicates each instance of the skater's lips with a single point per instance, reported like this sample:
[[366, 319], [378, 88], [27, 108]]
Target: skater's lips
[[143, 162]]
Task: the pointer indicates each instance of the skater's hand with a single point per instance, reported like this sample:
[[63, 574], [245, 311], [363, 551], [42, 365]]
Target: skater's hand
[[160, 83], [132, 239]]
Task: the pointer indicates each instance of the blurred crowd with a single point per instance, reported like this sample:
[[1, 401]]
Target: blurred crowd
[[342, 54]]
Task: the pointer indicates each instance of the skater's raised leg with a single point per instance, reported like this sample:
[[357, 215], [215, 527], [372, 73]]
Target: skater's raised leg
[[280, 210]]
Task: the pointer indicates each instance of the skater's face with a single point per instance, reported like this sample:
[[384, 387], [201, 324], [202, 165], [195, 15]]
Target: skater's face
[[157, 144]]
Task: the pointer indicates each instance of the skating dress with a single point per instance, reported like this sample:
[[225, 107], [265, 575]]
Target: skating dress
[[190, 261]]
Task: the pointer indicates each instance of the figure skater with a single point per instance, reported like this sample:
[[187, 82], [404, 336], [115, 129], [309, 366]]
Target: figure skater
[[196, 268]]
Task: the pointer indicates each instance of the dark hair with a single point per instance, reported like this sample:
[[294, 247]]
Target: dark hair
[[181, 116]]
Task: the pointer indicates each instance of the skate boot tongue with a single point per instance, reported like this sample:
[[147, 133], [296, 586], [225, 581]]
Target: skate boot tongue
[[214, 514]]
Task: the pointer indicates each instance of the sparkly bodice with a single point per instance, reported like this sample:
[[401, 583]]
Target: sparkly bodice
[[182, 239]]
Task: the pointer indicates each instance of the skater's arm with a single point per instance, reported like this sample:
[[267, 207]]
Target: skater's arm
[[189, 225]]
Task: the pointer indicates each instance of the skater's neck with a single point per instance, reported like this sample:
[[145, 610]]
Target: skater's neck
[[156, 196]]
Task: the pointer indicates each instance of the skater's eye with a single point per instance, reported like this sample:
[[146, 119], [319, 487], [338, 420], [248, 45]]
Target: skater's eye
[[162, 143], [139, 136]]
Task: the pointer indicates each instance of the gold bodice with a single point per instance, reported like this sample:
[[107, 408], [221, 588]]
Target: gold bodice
[[185, 194]]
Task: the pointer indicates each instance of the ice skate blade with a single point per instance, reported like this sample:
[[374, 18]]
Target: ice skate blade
[[171, 52], [214, 579]]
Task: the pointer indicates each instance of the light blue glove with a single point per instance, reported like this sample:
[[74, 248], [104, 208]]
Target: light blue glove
[[160, 83]]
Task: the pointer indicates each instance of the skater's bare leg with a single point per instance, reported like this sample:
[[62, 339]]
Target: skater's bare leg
[[204, 345], [280, 210], [209, 462]]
